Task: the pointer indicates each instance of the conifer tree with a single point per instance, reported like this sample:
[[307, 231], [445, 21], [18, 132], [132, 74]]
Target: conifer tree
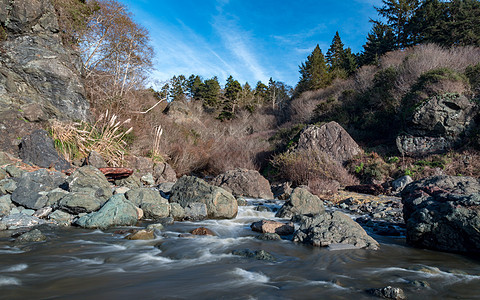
[[313, 73], [261, 92], [232, 93], [210, 92], [335, 53], [194, 84], [380, 40], [178, 88]]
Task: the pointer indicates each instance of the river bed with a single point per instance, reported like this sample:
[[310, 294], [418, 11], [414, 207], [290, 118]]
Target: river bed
[[77, 263]]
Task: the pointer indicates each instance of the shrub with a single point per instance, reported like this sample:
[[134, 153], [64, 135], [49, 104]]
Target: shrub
[[370, 167], [473, 75], [304, 166]]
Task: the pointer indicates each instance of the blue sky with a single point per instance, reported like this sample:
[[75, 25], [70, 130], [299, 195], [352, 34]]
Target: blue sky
[[251, 40]]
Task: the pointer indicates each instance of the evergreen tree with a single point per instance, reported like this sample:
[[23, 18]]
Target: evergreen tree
[[380, 40], [194, 84], [313, 73], [178, 88], [210, 93], [463, 22], [398, 14], [232, 93], [335, 53], [261, 92], [349, 62]]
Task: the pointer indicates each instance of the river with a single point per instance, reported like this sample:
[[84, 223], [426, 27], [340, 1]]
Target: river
[[77, 263]]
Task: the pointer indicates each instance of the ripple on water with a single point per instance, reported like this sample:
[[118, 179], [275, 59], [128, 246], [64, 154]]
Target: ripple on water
[[15, 268], [4, 280]]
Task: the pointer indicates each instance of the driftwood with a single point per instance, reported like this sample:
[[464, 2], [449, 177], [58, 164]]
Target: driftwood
[[116, 173]]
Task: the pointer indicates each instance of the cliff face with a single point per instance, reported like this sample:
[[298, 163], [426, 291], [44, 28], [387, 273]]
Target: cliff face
[[38, 75]]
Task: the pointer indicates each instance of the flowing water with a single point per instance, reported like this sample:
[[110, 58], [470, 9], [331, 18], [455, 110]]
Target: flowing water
[[83, 264]]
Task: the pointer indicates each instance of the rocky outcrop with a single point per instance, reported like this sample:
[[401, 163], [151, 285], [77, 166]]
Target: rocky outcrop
[[330, 138], [301, 202], [243, 182], [437, 125], [443, 213], [117, 211], [330, 228], [220, 204], [38, 148], [34, 65]]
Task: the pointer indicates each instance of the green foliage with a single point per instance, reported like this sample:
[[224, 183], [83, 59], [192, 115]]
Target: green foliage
[[380, 40], [473, 75], [370, 166], [313, 73], [210, 93], [287, 138], [3, 34]]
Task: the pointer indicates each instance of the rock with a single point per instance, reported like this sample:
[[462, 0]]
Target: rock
[[370, 189], [89, 180], [5, 205], [116, 173], [28, 212], [14, 171], [117, 211], [165, 188], [399, 184], [195, 211], [177, 212], [19, 220], [54, 196], [166, 221], [94, 159], [301, 202], [242, 201], [332, 228], [388, 293], [61, 218], [269, 237], [7, 186], [220, 203], [330, 138], [282, 191], [439, 123], [35, 67], [155, 211], [38, 149], [163, 172], [140, 213], [6, 158], [142, 196], [121, 190], [42, 212], [3, 174], [33, 112], [157, 226], [34, 235], [140, 165], [141, 235], [76, 203], [32, 188], [202, 231], [243, 182], [148, 179], [258, 254], [268, 226], [443, 213], [131, 182]]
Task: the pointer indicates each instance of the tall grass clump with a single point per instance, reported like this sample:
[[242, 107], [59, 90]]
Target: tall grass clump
[[106, 136]]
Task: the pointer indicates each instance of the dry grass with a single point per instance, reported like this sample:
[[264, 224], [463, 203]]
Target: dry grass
[[106, 136]]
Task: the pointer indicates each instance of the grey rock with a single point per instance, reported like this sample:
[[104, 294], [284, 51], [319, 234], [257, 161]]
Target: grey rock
[[241, 201], [301, 202], [42, 212], [140, 165], [145, 195], [257, 254], [220, 203], [117, 211], [443, 213], [332, 228], [76, 203], [20, 220], [131, 182], [5, 205], [14, 171], [269, 226], [330, 138], [7, 186], [31, 187], [269, 237], [282, 191], [177, 212], [89, 180], [148, 179], [388, 293], [61, 218], [155, 211], [399, 184], [243, 182], [94, 159], [156, 226], [34, 235], [195, 211], [418, 146], [33, 112], [28, 212], [3, 174], [38, 148], [163, 172], [121, 190], [55, 195], [165, 188]]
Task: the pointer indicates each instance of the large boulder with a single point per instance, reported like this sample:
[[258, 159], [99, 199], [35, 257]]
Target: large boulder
[[38, 148], [161, 172], [438, 124], [330, 138], [89, 180], [220, 203], [20, 220], [243, 182], [5, 205], [35, 66], [77, 203], [144, 195], [117, 211], [32, 188], [301, 202], [443, 213], [331, 228]]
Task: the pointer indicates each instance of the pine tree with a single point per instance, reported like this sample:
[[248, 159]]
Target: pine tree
[[178, 88], [232, 93], [261, 92], [313, 73], [194, 84], [349, 62], [335, 53], [210, 92], [380, 40]]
